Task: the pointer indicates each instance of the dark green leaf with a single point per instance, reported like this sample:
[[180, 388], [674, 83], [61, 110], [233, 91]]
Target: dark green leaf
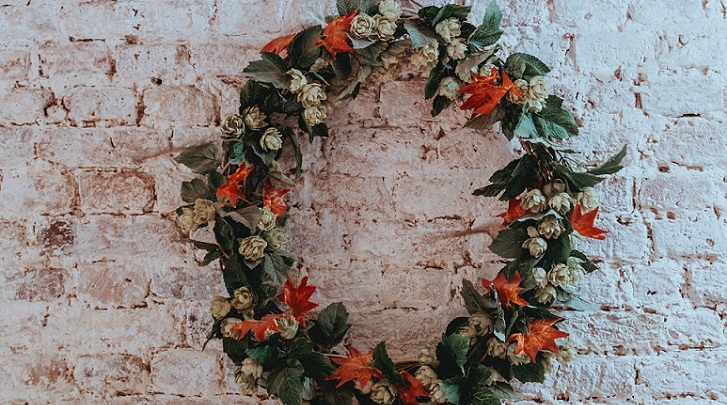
[[331, 326], [277, 267], [483, 395], [508, 243], [555, 122], [270, 69], [248, 216], [201, 159], [576, 303], [493, 190], [455, 349], [525, 128], [587, 265], [489, 32], [300, 346], [383, 362], [524, 66], [235, 349], [473, 300], [420, 34], [192, 190], [263, 353], [452, 10], [233, 274], [577, 181], [559, 249], [612, 165], [342, 66], [503, 175], [539, 312], [451, 389], [225, 236], [428, 13], [286, 384], [265, 293], [298, 155], [440, 103], [210, 247], [531, 372], [252, 94], [435, 77], [303, 52], [346, 6], [211, 257], [525, 175], [317, 366]]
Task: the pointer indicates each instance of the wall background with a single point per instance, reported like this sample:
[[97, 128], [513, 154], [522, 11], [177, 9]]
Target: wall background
[[99, 305]]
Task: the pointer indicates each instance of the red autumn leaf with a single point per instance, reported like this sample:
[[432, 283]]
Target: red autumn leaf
[[355, 367], [335, 37], [412, 390], [278, 45], [232, 189], [583, 223], [485, 95], [259, 327], [541, 336], [514, 211], [298, 298], [507, 291], [273, 199]]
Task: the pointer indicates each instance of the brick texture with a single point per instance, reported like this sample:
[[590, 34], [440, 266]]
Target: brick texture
[[99, 304]]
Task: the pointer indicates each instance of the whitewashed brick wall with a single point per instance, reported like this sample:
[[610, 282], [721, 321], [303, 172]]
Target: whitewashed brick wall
[[100, 305]]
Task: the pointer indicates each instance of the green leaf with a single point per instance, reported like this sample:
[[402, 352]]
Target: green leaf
[[210, 247], [473, 300], [483, 395], [225, 235], [440, 103], [524, 66], [299, 346], [265, 293], [464, 67], [201, 159], [612, 165], [525, 175], [346, 6], [252, 93], [428, 13], [504, 391], [302, 51], [248, 216], [451, 389], [455, 347], [509, 243], [286, 384], [576, 303], [526, 127], [587, 265], [383, 362], [331, 326], [420, 34], [263, 354], [211, 257], [233, 275], [342, 66], [489, 32], [559, 249], [452, 10], [277, 267], [298, 154], [235, 348], [192, 190], [492, 190], [503, 175], [435, 77], [531, 372], [577, 181], [555, 122], [270, 69], [317, 366], [539, 312]]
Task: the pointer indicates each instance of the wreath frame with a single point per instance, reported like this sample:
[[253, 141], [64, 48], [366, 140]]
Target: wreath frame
[[511, 332]]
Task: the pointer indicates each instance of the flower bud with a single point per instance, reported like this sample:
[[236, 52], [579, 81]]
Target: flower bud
[[314, 115], [566, 353], [449, 29], [469, 332], [268, 220], [494, 377], [536, 246], [436, 394], [426, 376], [389, 9], [533, 201], [311, 95], [481, 323], [383, 392], [545, 294], [252, 368], [272, 139], [559, 275], [219, 307], [457, 49], [428, 356], [522, 86], [275, 238], [244, 299], [426, 57], [187, 220], [233, 126], [297, 80], [496, 348], [560, 202], [555, 187], [226, 328], [246, 382], [254, 118], [253, 248], [576, 270], [516, 359], [204, 211], [366, 389], [448, 88], [385, 29], [550, 227], [288, 327], [588, 199], [540, 276], [362, 26]]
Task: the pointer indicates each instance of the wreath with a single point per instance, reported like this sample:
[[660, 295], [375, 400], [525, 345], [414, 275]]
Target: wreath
[[512, 331]]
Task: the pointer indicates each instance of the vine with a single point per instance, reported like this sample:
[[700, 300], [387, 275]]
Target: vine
[[512, 331]]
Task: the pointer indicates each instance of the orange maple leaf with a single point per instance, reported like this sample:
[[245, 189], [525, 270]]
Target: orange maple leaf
[[298, 298], [278, 45], [541, 336], [335, 37], [259, 327], [583, 223], [273, 199], [355, 367], [232, 189], [507, 291], [412, 390], [514, 211], [485, 95]]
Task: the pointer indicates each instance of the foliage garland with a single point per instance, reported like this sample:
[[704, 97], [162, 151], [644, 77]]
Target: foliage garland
[[511, 332]]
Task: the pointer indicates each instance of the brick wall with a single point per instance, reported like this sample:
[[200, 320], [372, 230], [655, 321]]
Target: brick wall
[[100, 305]]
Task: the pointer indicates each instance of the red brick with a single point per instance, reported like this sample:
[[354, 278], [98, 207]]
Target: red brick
[[109, 284], [41, 285], [187, 372], [102, 106], [177, 106], [124, 192]]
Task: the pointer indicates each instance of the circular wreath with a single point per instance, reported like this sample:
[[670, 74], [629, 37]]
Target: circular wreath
[[511, 332]]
